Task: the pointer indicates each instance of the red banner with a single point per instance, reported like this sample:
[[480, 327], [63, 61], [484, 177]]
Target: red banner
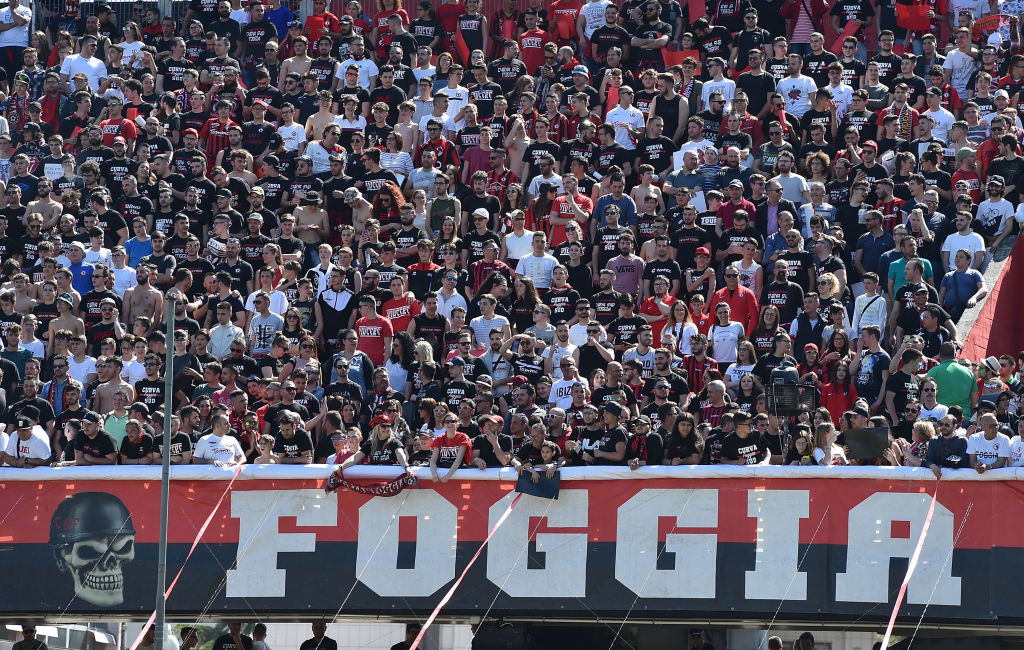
[[812, 541]]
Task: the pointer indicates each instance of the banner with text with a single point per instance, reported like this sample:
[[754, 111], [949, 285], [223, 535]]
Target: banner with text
[[662, 542]]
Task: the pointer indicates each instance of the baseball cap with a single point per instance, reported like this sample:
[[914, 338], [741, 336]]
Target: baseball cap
[[1002, 93], [870, 143], [79, 245], [965, 152], [66, 297], [458, 362], [91, 416], [107, 301], [24, 422], [481, 212], [256, 216], [519, 380], [260, 103], [736, 183], [120, 140], [485, 380], [224, 192], [702, 251], [190, 132], [351, 194]]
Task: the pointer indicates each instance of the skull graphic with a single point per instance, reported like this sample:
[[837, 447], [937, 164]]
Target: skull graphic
[[93, 538]]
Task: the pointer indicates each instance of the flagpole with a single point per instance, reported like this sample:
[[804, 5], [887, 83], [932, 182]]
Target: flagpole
[[165, 479]]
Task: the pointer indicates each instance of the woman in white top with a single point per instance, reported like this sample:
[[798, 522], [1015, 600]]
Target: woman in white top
[[518, 243], [131, 46], [681, 326], [725, 336], [826, 451], [746, 358], [393, 158], [419, 203]]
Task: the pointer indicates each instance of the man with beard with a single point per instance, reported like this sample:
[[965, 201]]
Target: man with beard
[[143, 300], [164, 263], [526, 361], [115, 169], [786, 296]]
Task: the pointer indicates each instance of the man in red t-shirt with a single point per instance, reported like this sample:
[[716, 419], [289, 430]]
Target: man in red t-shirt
[[531, 42], [571, 206], [402, 306], [374, 331], [117, 125]]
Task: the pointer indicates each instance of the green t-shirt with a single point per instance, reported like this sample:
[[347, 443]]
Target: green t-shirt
[[896, 272], [955, 385]]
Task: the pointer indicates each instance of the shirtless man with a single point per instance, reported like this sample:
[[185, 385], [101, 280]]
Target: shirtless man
[[311, 221], [109, 371], [63, 278], [361, 209], [67, 320], [23, 302], [318, 121], [144, 299], [298, 64], [45, 205], [241, 164]]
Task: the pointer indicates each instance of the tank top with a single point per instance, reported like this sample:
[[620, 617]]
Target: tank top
[[668, 110], [439, 209]]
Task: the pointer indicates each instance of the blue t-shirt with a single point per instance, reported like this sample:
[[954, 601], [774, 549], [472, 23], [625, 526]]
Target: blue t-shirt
[[81, 277], [137, 250], [959, 286]]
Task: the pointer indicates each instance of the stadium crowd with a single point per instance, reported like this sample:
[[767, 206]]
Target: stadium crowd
[[557, 235]]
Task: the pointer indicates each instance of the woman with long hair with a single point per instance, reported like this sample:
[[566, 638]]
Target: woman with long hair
[[524, 84], [524, 301], [837, 348], [424, 421], [830, 292], [387, 206], [393, 157], [293, 329], [683, 445], [399, 363], [539, 212], [273, 260], [763, 336], [41, 42], [826, 451], [746, 359], [445, 61], [839, 394], [497, 285], [800, 447], [131, 46], [447, 239], [747, 393], [383, 447], [306, 357], [681, 327], [514, 199]]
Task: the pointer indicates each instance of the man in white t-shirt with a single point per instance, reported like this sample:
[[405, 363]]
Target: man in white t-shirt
[[85, 63], [218, 448], [627, 119], [959, 64], [16, 20], [797, 89], [29, 447], [988, 448], [942, 118], [966, 238], [368, 70]]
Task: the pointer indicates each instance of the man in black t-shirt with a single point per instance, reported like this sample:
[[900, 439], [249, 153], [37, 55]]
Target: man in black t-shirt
[[745, 445], [94, 446], [292, 445], [611, 450], [492, 447]]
